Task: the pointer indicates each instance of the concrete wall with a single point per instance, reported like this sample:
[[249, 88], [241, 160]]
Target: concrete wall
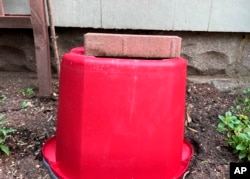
[[177, 15], [219, 58]]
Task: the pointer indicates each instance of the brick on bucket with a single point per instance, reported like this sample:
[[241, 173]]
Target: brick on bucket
[[132, 46]]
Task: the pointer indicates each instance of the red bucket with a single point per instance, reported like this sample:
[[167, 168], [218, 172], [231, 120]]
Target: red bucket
[[119, 118]]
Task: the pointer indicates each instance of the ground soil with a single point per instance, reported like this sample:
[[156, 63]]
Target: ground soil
[[36, 123]]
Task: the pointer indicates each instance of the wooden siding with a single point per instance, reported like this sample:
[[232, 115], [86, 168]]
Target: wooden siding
[[179, 15]]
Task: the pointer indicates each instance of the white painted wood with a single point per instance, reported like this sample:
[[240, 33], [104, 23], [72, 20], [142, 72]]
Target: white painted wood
[[77, 13], [192, 15], [140, 14], [230, 16], [16, 6], [179, 15]]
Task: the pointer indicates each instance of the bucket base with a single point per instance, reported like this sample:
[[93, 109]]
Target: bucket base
[[51, 173], [49, 160]]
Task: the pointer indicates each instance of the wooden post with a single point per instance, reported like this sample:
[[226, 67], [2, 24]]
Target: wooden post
[[1, 8], [40, 30]]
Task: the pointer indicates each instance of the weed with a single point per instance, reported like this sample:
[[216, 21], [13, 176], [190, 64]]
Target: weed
[[27, 92], [26, 104], [236, 124], [4, 134], [205, 162], [3, 98]]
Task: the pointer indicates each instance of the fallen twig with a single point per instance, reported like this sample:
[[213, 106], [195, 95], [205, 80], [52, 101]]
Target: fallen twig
[[191, 129]]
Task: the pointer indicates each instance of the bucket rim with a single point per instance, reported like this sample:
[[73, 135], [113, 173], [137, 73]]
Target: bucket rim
[[49, 148]]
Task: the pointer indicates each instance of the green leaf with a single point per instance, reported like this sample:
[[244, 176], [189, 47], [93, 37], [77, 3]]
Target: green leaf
[[221, 127], [9, 130], [242, 136], [243, 116], [29, 91], [242, 154], [228, 114], [231, 125], [238, 107], [5, 149], [232, 143], [236, 121], [4, 132], [248, 157], [241, 147], [248, 133], [238, 128], [229, 135], [222, 118], [235, 138], [24, 104], [1, 141]]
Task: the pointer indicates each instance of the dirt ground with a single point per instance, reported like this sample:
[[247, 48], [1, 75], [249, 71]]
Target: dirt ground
[[37, 122]]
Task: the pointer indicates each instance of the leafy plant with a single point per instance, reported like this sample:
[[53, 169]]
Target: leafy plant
[[26, 104], [28, 92], [236, 124], [4, 134]]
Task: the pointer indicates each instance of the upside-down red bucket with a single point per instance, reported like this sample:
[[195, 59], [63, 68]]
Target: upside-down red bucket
[[119, 119]]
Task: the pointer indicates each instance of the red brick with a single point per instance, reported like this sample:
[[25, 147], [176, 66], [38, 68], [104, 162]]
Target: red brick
[[133, 46]]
